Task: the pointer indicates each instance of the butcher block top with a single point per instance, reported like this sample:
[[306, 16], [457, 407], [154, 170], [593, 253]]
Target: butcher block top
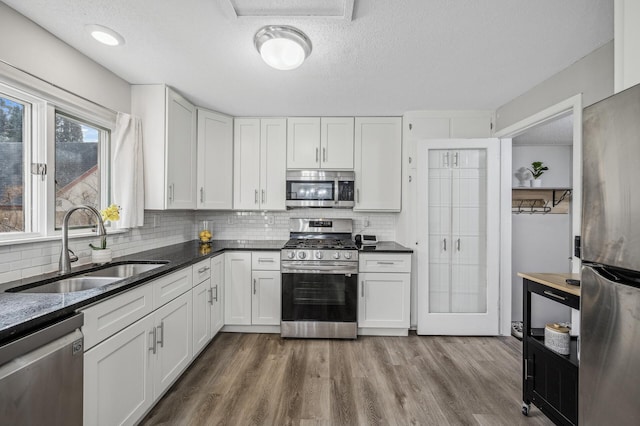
[[555, 280]]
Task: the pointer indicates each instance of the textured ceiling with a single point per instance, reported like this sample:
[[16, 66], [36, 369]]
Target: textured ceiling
[[394, 56], [555, 132]]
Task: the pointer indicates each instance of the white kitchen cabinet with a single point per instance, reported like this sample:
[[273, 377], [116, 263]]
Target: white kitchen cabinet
[[201, 316], [217, 294], [215, 161], [170, 286], [173, 335], [626, 44], [260, 156], [169, 146], [237, 291], [385, 281], [378, 168], [118, 381], [252, 294], [325, 143]]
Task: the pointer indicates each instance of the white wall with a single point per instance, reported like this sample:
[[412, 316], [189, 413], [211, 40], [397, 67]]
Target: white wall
[[592, 76], [29, 47], [541, 243]]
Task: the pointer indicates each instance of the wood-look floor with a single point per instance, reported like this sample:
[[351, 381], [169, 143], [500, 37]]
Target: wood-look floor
[[261, 379]]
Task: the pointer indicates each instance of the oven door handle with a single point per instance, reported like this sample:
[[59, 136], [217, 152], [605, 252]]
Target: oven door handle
[[319, 269]]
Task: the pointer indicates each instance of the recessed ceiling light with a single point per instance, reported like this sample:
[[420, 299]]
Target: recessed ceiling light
[[282, 47], [105, 35]]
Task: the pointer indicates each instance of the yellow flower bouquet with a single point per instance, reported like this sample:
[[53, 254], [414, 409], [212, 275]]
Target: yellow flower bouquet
[[111, 214]]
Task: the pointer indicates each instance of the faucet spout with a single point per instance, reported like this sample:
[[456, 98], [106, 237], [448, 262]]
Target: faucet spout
[[64, 266]]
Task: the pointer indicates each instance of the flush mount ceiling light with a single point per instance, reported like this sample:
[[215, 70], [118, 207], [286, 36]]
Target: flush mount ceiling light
[[282, 47], [105, 35]]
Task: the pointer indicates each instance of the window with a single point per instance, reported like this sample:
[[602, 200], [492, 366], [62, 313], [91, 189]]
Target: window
[[12, 164], [54, 153], [77, 169]]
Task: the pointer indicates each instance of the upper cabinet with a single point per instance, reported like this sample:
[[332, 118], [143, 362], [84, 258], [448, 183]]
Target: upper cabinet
[[215, 161], [260, 152], [320, 143], [378, 148], [626, 44], [169, 146]]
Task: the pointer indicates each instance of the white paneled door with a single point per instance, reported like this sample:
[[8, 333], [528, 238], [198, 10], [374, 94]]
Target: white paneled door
[[458, 212]]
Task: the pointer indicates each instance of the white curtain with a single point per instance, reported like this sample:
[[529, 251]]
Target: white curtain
[[127, 183]]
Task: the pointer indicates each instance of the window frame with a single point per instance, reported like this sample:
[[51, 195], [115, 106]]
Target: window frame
[[39, 135]]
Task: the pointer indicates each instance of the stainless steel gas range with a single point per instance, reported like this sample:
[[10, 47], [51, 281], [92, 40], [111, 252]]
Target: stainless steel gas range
[[319, 267]]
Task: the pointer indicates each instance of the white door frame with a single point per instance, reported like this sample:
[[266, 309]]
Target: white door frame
[[449, 324], [570, 105]]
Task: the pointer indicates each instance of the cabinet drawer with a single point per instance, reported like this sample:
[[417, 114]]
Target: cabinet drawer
[[385, 262], [107, 318], [201, 271], [265, 260], [171, 286]]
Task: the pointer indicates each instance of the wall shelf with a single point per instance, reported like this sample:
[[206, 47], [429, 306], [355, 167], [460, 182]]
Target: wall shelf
[[540, 200]]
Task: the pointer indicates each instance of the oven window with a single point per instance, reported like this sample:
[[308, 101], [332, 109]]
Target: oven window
[[345, 190], [310, 191], [319, 297]]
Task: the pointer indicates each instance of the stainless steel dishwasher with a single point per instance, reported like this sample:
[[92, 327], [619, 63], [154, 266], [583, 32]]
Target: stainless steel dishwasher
[[41, 376]]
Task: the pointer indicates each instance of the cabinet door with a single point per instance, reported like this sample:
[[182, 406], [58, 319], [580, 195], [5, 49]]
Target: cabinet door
[[237, 288], [181, 152], [303, 143], [266, 301], [273, 164], [217, 296], [246, 164], [378, 146], [336, 143], [173, 336], [201, 295], [215, 161], [384, 300], [118, 387]]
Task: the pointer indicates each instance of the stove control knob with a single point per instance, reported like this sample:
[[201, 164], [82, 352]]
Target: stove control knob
[[302, 255], [347, 255], [291, 255], [318, 255], [336, 255]]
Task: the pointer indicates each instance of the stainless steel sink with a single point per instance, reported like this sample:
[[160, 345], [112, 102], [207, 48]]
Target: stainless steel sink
[[70, 285], [94, 279], [124, 271]]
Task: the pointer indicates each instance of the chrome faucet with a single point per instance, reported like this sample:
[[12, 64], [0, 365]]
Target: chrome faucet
[[64, 266]]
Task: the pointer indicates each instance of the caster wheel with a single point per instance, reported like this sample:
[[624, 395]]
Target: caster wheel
[[525, 409]]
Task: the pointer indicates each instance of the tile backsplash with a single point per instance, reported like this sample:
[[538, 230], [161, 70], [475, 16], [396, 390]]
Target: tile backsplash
[[162, 228]]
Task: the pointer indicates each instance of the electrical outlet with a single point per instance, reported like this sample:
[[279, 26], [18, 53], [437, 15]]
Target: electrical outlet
[[270, 220], [231, 220], [365, 222]]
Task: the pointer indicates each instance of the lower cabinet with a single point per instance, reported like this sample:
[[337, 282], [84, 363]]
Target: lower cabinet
[[127, 372], [384, 293], [252, 288], [208, 316]]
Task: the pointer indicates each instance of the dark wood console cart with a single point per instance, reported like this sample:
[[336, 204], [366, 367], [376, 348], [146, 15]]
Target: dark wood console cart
[[550, 380]]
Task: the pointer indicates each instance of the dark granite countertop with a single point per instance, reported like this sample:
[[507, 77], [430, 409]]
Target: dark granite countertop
[[21, 313], [385, 247]]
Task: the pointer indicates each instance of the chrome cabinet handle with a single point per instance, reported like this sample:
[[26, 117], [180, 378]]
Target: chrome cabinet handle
[[410, 160], [203, 269], [216, 298], [256, 197], [210, 291], [455, 159], [458, 243], [263, 196], [410, 179], [361, 288], [161, 340], [265, 259], [358, 196], [385, 263], [446, 159], [153, 338], [445, 244], [324, 155], [254, 286], [202, 194], [317, 156], [557, 296]]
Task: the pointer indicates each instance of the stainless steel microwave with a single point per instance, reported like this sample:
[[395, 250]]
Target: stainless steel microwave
[[320, 188]]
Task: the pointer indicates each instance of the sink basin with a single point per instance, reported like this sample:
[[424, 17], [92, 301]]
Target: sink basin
[[124, 271], [70, 285], [89, 280]]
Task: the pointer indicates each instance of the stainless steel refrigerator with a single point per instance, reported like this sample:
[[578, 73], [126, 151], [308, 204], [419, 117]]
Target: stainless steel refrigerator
[[609, 380]]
